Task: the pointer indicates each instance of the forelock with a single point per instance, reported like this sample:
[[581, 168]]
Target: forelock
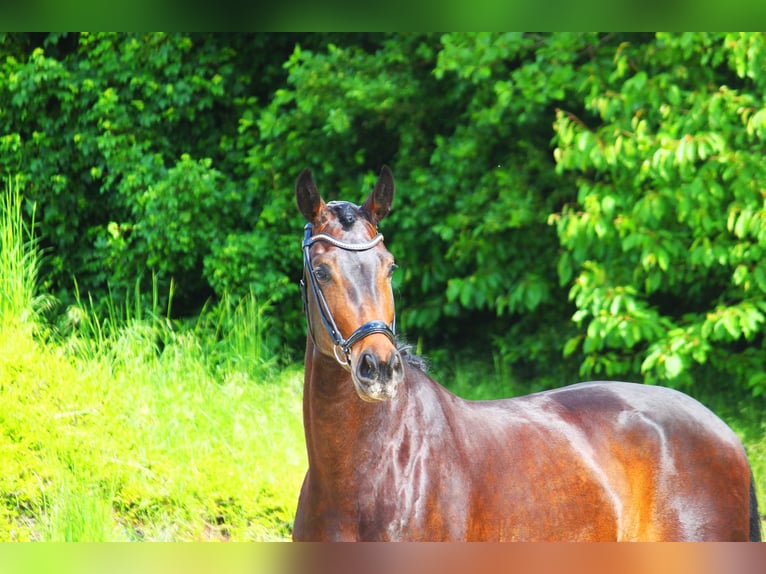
[[347, 213]]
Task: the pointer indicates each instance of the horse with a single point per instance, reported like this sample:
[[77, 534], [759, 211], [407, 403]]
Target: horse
[[395, 456]]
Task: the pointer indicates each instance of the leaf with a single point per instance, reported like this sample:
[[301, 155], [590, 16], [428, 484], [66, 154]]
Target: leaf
[[572, 345], [759, 274], [729, 322], [564, 268], [663, 259], [742, 226], [534, 293], [466, 293], [673, 366], [454, 287]]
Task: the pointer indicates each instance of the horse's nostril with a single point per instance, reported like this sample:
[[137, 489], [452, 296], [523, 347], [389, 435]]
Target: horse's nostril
[[368, 366]]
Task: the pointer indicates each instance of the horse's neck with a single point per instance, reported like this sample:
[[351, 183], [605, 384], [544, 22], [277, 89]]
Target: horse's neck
[[341, 429]]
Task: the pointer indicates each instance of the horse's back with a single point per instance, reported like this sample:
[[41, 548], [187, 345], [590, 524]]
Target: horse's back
[[669, 468]]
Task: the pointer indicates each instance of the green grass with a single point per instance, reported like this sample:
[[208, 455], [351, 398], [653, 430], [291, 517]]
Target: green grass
[[18, 261], [121, 442], [129, 427]]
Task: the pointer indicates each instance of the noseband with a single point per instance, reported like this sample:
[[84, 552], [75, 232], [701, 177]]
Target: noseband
[[369, 328]]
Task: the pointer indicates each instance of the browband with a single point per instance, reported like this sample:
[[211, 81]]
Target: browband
[[310, 239]]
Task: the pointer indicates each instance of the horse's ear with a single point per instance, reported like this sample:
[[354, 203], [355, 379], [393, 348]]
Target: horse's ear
[[307, 195], [378, 204]]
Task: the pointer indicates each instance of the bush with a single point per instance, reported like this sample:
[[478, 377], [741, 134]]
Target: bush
[[580, 204]]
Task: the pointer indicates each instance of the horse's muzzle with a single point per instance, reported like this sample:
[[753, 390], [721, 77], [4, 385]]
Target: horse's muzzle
[[375, 379]]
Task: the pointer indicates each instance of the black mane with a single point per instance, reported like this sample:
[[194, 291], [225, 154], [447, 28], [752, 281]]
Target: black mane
[[410, 357]]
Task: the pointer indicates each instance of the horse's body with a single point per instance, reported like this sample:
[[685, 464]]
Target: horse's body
[[412, 461]]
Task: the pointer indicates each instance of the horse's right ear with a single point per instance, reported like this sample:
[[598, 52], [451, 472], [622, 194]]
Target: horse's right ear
[[378, 204], [307, 195]]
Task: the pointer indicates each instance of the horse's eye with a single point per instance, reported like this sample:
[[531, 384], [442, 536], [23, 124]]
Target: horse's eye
[[392, 268], [322, 274]]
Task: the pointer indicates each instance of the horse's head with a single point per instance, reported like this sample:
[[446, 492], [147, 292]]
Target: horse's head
[[347, 290]]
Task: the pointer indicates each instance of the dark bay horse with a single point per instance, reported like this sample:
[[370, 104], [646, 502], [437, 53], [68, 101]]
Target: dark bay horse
[[395, 456]]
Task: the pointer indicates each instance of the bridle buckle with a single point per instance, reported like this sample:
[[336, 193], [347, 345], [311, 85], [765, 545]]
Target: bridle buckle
[[345, 359]]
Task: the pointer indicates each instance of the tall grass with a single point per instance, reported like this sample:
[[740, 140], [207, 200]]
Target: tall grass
[[129, 426], [18, 261]]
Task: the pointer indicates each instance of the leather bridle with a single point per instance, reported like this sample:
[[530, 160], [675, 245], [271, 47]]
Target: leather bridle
[[365, 330]]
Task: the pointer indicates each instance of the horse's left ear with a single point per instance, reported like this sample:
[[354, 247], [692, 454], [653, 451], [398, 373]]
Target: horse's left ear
[[378, 204]]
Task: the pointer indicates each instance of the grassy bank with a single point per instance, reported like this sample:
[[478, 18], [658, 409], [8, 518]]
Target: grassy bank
[[123, 443], [123, 427]]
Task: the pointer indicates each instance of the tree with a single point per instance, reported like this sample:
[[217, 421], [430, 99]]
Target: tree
[[665, 238]]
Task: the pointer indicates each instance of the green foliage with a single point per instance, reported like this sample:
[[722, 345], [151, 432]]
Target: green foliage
[[112, 134], [577, 203], [665, 238], [178, 218]]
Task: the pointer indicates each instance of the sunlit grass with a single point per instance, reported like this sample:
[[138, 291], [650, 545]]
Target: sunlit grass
[[145, 445], [19, 262], [128, 427]]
